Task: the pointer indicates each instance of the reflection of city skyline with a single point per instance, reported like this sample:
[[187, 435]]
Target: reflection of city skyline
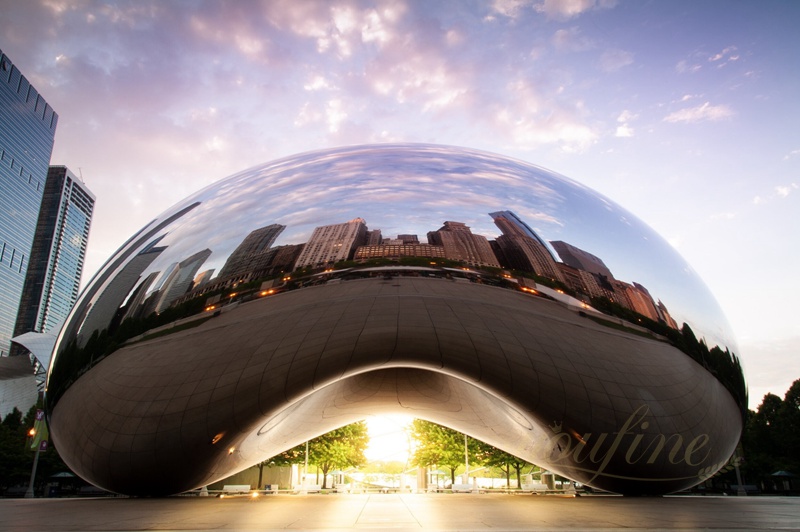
[[413, 189], [518, 248]]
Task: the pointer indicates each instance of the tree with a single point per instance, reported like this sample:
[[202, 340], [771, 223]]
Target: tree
[[439, 446], [16, 457], [494, 457], [339, 449], [771, 439], [15, 460]]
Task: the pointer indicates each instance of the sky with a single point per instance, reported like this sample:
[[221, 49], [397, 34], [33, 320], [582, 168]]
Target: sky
[[685, 113]]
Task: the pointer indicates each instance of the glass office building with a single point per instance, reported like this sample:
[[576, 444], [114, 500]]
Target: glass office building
[[27, 130], [59, 248]]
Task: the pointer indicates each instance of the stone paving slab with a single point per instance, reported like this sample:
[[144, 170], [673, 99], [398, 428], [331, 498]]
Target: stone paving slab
[[463, 512]]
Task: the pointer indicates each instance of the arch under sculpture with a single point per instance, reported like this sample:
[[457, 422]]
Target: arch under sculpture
[[263, 311]]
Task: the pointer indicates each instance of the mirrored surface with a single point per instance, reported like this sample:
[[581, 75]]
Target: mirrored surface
[[474, 290]]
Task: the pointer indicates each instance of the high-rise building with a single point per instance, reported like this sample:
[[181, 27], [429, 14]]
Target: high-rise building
[[180, 279], [333, 243], [374, 238], [27, 130], [254, 243], [580, 259], [523, 248], [461, 244], [59, 248]]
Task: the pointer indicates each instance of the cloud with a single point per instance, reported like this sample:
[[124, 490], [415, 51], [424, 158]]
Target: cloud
[[791, 154], [571, 40], [566, 9], [724, 57], [784, 191], [624, 129], [613, 60], [530, 119], [700, 113], [335, 114], [685, 66], [510, 8]]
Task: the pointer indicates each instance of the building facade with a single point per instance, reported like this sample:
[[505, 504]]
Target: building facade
[[58, 253], [461, 244], [523, 248], [27, 131], [333, 243], [255, 243]]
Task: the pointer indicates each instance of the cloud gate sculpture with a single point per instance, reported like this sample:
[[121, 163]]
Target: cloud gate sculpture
[[469, 289]]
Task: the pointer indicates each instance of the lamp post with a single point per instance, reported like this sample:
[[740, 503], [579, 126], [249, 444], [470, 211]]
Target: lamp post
[[29, 492], [466, 461]]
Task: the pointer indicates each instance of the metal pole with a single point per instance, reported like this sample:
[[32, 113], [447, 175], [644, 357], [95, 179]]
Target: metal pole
[[29, 493], [466, 461], [305, 467], [740, 491]]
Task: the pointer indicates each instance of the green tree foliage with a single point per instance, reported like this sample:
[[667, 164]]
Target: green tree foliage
[[342, 448], [339, 449], [506, 462], [439, 446], [15, 460], [771, 440], [16, 457]]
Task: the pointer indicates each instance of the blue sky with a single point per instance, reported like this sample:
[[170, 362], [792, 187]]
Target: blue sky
[[685, 113]]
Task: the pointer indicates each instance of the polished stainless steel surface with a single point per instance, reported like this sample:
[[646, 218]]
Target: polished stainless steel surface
[[477, 291]]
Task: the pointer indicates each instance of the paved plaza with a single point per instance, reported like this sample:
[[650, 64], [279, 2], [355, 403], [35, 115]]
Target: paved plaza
[[402, 512]]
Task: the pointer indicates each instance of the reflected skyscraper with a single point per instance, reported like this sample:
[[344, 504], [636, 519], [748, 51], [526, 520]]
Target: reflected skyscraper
[[109, 299], [523, 248], [255, 243], [181, 278], [333, 243], [461, 244], [580, 259]]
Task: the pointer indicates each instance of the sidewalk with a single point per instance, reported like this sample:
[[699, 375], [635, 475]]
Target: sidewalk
[[464, 512]]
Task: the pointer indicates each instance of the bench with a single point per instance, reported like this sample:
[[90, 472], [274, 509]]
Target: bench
[[534, 487], [235, 489], [308, 488]]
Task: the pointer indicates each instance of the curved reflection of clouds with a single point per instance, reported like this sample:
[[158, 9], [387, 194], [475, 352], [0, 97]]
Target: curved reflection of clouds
[[414, 189]]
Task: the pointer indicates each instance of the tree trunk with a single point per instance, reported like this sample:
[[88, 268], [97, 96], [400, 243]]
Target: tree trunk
[[324, 476], [260, 475]]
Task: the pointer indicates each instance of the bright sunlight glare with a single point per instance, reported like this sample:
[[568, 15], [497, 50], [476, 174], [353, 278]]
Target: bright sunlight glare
[[389, 438]]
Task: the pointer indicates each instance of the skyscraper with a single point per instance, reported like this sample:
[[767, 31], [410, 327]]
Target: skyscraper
[[27, 130], [180, 279], [333, 243], [523, 248], [580, 259], [254, 243], [460, 244], [59, 248]]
